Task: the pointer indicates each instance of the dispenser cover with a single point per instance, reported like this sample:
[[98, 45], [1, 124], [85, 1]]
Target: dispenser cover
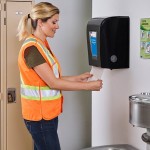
[[108, 42]]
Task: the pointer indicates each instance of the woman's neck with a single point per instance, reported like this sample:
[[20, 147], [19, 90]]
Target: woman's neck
[[39, 35]]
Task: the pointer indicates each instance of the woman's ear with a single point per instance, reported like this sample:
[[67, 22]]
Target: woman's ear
[[39, 22]]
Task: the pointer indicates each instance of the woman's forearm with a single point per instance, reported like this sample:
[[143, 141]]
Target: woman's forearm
[[80, 78], [61, 84], [70, 78], [67, 85]]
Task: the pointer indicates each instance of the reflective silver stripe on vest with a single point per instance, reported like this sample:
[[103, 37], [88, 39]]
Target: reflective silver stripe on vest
[[55, 70], [49, 93], [39, 93]]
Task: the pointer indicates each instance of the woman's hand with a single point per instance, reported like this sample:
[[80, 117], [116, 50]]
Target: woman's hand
[[79, 78], [83, 77], [95, 85]]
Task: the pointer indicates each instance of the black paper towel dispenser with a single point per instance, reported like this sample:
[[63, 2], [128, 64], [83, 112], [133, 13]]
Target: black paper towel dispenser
[[108, 42]]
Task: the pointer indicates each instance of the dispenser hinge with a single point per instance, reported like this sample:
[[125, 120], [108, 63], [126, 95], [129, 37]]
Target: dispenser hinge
[[0, 96], [0, 6], [4, 21], [4, 6]]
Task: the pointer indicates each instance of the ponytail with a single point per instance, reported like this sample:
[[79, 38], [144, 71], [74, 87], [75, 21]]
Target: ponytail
[[23, 28]]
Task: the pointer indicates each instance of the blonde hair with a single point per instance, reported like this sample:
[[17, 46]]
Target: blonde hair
[[43, 11]]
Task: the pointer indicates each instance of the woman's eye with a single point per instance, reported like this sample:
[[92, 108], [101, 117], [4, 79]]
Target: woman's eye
[[54, 22]]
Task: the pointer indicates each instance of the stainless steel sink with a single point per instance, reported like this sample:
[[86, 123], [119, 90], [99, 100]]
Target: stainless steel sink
[[140, 110], [140, 114], [113, 147]]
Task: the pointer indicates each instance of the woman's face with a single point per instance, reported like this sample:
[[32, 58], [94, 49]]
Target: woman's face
[[50, 26]]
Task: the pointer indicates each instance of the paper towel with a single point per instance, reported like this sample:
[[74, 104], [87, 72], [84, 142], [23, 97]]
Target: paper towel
[[96, 72]]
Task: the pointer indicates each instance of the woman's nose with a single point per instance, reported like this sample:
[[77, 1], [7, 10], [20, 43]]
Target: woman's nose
[[57, 26]]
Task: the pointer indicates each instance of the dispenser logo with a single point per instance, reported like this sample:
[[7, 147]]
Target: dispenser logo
[[93, 43]]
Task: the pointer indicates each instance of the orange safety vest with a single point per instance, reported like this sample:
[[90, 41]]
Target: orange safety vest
[[37, 98]]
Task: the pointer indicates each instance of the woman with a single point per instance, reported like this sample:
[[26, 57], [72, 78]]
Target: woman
[[41, 80]]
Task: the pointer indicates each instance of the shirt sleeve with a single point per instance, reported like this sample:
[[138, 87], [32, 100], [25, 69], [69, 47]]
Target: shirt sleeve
[[33, 57]]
